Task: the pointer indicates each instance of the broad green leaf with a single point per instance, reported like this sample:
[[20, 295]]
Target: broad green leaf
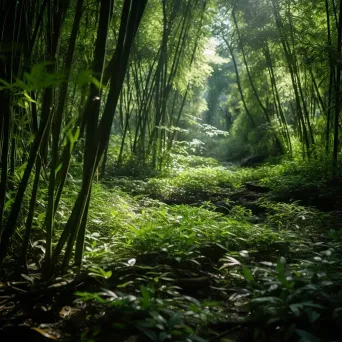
[[247, 273], [262, 300], [306, 336]]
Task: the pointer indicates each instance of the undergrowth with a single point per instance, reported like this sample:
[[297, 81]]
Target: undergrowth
[[280, 270], [188, 273], [139, 226]]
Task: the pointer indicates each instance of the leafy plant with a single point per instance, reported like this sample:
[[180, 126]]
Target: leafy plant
[[172, 318], [292, 297]]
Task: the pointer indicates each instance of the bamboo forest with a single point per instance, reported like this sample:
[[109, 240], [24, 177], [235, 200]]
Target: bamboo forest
[[171, 170]]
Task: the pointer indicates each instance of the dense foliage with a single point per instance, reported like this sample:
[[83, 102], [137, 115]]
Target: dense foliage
[[170, 170]]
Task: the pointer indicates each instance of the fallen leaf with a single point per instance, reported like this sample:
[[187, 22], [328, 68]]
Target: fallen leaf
[[45, 334]]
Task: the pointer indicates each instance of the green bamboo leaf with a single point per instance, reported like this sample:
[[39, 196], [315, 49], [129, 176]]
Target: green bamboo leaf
[[247, 273]]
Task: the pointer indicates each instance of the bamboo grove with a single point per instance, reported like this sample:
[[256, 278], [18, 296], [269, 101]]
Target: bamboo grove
[[63, 80], [87, 84], [286, 65]]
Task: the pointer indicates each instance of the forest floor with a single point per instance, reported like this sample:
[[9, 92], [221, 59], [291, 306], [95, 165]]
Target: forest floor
[[204, 253]]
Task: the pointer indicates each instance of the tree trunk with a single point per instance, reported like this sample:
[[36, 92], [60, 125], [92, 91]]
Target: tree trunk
[[337, 89], [231, 51]]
